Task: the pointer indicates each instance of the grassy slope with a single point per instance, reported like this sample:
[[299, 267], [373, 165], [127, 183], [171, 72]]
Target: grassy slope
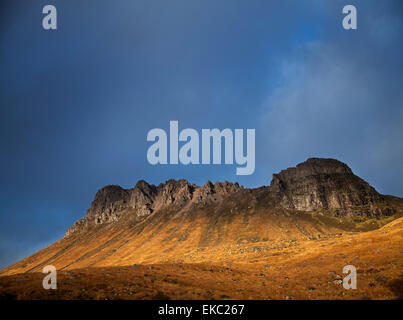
[[305, 269]]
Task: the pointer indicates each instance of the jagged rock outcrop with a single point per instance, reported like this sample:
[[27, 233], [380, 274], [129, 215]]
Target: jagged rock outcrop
[[316, 184], [112, 202], [172, 192], [107, 204], [77, 226], [324, 184]]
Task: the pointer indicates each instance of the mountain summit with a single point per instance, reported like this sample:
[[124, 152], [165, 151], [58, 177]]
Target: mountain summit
[[326, 184]]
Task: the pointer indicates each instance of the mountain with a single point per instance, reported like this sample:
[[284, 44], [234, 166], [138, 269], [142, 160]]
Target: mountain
[[317, 184], [305, 210]]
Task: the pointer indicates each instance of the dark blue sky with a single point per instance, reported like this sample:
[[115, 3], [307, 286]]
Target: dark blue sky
[[77, 103]]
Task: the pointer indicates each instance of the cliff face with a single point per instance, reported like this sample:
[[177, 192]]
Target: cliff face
[[316, 184], [112, 202], [325, 184]]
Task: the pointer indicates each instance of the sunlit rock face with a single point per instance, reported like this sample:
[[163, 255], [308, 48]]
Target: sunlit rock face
[[323, 184], [316, 184], [112, 202]]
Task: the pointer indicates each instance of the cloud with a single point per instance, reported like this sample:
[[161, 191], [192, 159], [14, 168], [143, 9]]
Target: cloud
[[341, 99]]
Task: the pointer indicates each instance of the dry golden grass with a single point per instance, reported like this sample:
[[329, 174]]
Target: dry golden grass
[[265, 263]]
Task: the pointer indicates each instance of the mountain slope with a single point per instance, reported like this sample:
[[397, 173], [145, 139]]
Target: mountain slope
[[305, 269], [180, 222]]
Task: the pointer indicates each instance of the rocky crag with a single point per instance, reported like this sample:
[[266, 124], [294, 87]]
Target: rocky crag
[[325, 185]]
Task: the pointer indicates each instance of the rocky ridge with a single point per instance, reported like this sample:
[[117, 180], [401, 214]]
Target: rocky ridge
[[316, 184]]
